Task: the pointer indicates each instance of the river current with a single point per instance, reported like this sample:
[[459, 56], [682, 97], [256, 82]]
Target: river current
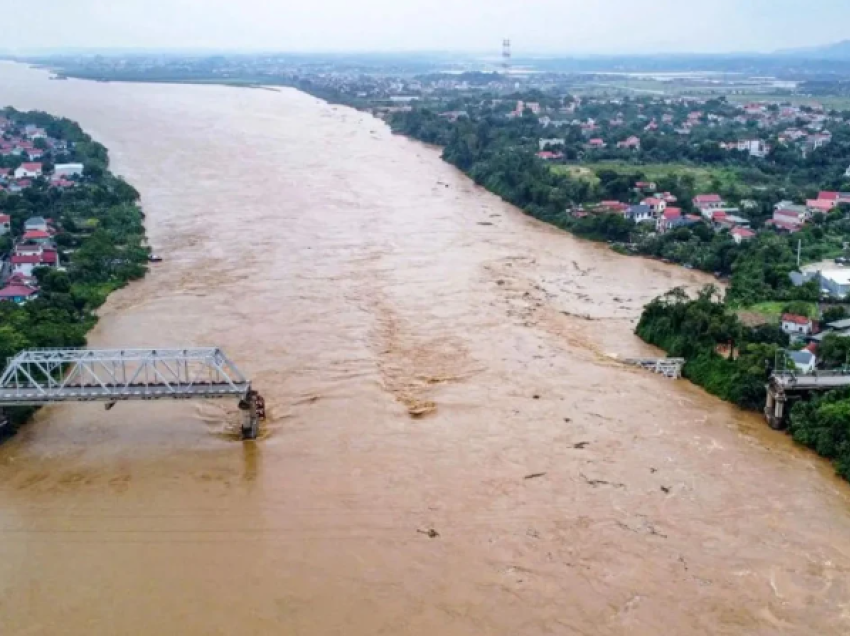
[[358, 281]]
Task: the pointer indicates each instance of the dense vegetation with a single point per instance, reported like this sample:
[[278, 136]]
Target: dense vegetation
[[734, 362], [823, 424], [499, 154], [724, 356], [100, 239]]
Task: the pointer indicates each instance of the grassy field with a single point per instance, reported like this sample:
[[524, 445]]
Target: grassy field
[[652, 172], [772, 310]]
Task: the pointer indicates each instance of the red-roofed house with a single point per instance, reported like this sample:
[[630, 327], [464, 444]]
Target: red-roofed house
[[797, 325], [548, 155], [782, 226], [5, 224], [37, 236], [829, 196], [821, 205], [24, 263], [741, 234], [596, 143], [18, 293], [708, 201], [668, 220], [632, 143], [28, 170], [655, 205]]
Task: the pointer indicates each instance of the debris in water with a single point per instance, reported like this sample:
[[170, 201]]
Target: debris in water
[[567, 420], [653, 470], [430, 532], [534, 475], [484, 223], [580, 445], [418, 408], [665, 489], [500, 282], [536, 396], [601, 482]]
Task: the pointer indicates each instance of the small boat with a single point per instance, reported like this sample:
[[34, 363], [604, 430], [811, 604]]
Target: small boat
[[154, 258]]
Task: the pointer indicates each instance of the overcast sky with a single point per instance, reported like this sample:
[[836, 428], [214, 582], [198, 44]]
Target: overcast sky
[[568, 26]]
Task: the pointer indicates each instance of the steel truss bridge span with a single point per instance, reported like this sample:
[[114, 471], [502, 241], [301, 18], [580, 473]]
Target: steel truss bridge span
[[47, 376]]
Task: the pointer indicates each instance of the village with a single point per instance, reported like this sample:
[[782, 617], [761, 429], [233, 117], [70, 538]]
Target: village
[[30, 152]]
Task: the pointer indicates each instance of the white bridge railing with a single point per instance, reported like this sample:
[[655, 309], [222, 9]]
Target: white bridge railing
[[44, 376], [668, 367]]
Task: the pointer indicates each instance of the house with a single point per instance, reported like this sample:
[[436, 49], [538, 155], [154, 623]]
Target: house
[[804, 360], [795, 325], [639, 213], [595, 143], [5, 224], [17, 293], [35, 153], [25, 263], [822, 206], [37, 236], [741, 234], [28, 170], [554, 141], [645, 185], [69, 170], [726, 221], [35, 224], [847, 173], [668, 220], [548, 155], [755, 147], [795, 215], [656, 206], [708, 201], [632, 143]]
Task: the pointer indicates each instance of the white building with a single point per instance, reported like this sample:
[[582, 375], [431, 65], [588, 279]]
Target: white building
[[795, 325], [836, 282], [67, 170], [555, 141], [28, 171], [804, 360], [35, 224], [755, 147]]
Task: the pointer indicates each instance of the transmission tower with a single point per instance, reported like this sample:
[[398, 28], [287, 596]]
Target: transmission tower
[[506, 56]]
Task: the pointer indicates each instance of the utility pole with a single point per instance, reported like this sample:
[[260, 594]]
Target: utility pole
[[799, 249]]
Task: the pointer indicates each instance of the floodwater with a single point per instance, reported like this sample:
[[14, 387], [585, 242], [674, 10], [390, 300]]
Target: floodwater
[[354, 276]]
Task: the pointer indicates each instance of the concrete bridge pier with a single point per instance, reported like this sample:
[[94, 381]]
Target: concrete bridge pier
[[774, 408]]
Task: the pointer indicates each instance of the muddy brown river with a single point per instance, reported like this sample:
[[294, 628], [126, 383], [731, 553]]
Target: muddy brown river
[[354, 276]]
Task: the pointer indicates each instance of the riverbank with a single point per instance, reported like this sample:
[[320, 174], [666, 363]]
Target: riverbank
[[73, 232], [340, 275]]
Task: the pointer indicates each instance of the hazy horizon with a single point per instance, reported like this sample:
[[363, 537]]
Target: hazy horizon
[[553, 27]]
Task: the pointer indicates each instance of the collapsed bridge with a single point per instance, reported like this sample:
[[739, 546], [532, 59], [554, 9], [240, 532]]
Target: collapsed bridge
[[36, 377]]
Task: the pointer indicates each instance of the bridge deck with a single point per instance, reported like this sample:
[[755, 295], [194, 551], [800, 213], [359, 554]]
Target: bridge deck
[[31, 397], [45, 376], [821, 382]]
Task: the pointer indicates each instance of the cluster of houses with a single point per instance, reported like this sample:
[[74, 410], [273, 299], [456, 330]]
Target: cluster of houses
[[808, 132], [790, 217], [659, 209], [35, 248], [28, 145], [805, 330]]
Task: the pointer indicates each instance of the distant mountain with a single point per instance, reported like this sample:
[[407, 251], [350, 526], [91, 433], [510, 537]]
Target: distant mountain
[[837, 51]]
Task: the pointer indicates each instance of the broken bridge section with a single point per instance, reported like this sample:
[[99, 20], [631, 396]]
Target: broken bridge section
[[37, 377], [668, 367]]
